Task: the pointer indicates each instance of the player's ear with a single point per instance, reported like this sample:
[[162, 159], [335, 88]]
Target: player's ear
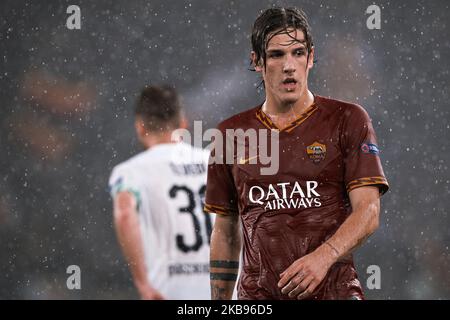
[[139, 125], [255, 64], [311, 58]]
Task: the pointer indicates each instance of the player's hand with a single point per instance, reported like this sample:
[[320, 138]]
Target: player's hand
[[147, 292], [303, 276]]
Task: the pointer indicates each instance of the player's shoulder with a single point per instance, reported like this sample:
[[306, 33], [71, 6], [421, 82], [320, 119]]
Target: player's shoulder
[[346, 108], [132, 163], [239, 120]]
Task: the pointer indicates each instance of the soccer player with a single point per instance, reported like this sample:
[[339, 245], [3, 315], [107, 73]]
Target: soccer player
[[299, 226], [158, 212]]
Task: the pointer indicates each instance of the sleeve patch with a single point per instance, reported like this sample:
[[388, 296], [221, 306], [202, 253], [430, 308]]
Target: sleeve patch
[[370, 148]]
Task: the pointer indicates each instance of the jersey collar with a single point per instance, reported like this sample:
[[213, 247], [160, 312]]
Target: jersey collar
[[266, 121]]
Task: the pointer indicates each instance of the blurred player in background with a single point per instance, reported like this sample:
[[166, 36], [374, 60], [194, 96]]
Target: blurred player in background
[[158, 212], [300, 225]]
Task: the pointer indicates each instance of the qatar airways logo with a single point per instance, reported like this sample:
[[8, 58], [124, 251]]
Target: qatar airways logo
[[286, 195]]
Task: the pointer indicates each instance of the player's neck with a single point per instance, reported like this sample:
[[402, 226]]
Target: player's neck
[[152, 140], [273, 107]]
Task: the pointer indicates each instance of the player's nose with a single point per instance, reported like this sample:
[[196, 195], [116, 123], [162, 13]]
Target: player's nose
[[289, 64]]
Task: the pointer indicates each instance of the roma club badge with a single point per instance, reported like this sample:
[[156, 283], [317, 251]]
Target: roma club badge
[[316, 152]]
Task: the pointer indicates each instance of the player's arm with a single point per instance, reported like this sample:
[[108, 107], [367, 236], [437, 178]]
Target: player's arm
[[360, 224], [126, 222], [224, 256], [306, 273]]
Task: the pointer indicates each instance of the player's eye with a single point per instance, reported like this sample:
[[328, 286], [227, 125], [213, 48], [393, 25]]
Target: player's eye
[[299, 52], [275, 54]]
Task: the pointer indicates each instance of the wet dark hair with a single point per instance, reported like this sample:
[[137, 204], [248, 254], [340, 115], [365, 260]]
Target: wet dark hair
[[159, 107], [275, 21]]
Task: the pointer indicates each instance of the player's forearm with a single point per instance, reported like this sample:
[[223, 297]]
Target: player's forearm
[[224, 257], [129, 235], [359, 225]]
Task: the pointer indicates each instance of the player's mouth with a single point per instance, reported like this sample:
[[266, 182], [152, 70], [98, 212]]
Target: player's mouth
[[289, 84]]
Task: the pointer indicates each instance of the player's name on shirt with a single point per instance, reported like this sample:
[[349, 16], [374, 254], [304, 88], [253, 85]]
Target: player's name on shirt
[[188, 169], [188, 268]]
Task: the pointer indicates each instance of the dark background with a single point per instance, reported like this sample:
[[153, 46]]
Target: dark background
[[66, 119]]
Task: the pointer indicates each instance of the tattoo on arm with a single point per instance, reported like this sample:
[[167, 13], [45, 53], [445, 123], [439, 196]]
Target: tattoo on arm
[[225, 264], [223, 276], [231, 270], [218, 293]]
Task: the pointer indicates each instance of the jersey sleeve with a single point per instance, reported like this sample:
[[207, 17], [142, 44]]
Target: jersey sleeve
[[221, 195], [123, 179], [361, 152]]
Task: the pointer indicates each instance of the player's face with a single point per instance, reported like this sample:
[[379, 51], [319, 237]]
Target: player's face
[[287, 65]]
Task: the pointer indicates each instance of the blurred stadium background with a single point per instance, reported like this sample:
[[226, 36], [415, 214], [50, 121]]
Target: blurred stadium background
[[67, 99]]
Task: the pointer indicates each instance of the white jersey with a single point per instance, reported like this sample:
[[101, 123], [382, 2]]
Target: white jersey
[[168, 181]]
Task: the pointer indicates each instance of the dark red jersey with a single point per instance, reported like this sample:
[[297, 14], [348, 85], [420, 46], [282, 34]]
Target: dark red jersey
[[328, 151]]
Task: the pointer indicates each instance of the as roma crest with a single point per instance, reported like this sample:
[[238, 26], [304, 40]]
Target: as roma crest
[[316, 152]]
